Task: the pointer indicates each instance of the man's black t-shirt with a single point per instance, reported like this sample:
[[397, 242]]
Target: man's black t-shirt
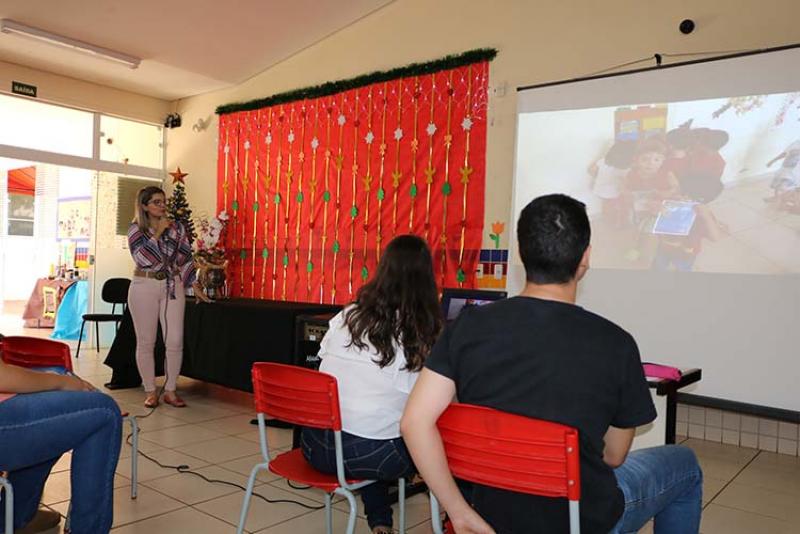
[[554, 361]]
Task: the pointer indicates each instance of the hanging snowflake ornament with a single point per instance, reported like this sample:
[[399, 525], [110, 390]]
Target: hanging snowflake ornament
[[247, 145], [291, 136], [431, 129], [341, 120], [398, 134], [314, 143], [369, 138], [268, 139], [466, 124]]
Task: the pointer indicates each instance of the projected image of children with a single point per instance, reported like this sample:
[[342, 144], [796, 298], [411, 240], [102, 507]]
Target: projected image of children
[[703, 186], [786, 183]]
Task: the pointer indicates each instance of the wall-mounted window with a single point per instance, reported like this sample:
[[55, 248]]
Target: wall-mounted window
[[131, 142], [30, 124]]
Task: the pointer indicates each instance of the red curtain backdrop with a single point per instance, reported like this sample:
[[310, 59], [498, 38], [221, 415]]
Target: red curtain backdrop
[[315, 189]]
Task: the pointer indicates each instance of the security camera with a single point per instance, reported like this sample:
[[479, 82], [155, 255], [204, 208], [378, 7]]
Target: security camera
[[173, 120]]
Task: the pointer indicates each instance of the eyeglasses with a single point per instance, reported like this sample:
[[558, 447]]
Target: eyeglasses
[[157, 202]]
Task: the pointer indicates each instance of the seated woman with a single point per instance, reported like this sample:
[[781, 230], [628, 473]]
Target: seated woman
[[375, 348], [42, 416]]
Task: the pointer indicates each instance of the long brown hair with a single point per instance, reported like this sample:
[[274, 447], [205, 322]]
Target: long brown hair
[[399, 305], [144, 195]]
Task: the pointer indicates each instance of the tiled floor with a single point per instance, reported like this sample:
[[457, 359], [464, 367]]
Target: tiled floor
[[745, 490]]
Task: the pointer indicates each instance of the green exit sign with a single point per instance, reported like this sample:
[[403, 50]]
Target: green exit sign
[[24, 89]]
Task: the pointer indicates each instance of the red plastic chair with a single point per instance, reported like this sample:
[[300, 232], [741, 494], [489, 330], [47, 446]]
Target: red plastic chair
[[511, 452], [307, 398], [32, 352], [36, 352]]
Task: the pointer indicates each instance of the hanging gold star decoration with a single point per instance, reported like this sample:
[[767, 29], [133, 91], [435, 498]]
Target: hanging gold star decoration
[[178, 176]]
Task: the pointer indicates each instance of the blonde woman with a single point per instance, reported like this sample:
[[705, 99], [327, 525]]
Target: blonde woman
[[164, 269]]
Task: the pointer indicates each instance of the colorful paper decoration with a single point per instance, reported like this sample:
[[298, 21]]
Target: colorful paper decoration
[[317, 187]]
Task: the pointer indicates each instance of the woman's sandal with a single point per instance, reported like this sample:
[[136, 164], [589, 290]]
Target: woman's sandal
[[151, 401], [174, 400]]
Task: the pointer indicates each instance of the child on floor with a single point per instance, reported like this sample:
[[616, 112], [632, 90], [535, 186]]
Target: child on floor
[[697, 165], [647, 185], [608, 174]]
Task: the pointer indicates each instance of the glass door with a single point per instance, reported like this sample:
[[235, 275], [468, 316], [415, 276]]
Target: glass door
[[44, 237]]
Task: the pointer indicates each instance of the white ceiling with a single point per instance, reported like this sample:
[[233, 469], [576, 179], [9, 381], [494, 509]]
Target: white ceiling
[[187, 46]]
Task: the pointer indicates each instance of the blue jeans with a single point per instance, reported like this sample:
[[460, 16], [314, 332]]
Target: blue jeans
[[664, 483], [37, 428], [381, 460]]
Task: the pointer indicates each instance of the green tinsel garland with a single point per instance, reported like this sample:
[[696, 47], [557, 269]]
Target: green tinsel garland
[[330, 88]]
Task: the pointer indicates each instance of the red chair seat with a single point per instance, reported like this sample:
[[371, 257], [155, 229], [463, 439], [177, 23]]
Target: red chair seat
[[293, 465]]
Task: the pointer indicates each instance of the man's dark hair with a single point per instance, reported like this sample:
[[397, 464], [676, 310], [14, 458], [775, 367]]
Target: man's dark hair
[[553, 233]]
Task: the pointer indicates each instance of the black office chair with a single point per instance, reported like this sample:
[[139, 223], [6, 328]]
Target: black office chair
[[115, 291]]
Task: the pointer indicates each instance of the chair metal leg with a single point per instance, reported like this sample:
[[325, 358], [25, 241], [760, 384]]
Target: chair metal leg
[[134, 455], [574, 517], [436, 515], [328, 514], [97, 336], [80, 338], [8, 497], [401, 503], [251, 482], [351, 519]]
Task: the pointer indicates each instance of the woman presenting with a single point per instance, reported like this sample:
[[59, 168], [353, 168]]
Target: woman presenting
[[164, 269]]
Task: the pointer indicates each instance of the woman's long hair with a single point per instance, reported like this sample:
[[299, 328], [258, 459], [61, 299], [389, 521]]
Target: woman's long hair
[[399, 305], [144, 195]]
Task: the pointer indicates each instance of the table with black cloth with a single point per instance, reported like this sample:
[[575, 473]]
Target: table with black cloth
[[221, 341]]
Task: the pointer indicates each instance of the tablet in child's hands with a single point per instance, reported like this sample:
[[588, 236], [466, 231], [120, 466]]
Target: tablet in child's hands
[[675, 218]]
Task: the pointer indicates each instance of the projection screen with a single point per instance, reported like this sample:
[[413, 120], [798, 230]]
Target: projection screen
[[691, 178]]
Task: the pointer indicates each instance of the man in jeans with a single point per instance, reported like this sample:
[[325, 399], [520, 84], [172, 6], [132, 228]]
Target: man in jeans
[[540, 355]]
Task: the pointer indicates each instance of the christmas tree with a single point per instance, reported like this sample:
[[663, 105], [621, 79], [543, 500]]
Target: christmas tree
[[177, 206]]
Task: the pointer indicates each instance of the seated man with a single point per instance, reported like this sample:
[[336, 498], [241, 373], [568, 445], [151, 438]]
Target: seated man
[[540, 355], [42, 416]]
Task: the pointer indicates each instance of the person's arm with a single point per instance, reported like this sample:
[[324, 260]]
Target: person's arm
[[164, 223], [429, 398], [144, 248], [617, 444], [673, 185], [776, 158], [593, 169], [15, 379], [713, 227], [635, 406]]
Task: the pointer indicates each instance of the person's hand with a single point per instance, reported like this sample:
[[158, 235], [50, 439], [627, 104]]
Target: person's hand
[[470, 522], [76, 383], [200, 293], [163, 224]]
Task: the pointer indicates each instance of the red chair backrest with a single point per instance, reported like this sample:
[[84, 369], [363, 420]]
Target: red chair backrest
[[36, 352], [297, 395], [511, 452]]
